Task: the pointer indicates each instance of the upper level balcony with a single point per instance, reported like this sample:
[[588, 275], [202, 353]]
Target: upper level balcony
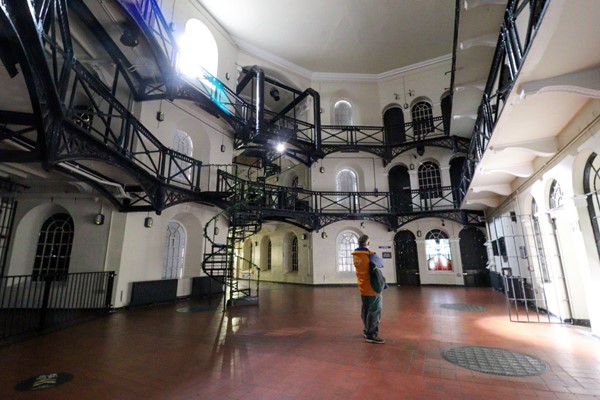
[[544, 71]]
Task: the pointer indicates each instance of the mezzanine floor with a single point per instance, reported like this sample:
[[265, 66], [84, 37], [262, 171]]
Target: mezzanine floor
[[304, 343]]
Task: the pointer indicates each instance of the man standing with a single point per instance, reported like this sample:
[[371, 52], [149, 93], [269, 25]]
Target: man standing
[[371, 301]]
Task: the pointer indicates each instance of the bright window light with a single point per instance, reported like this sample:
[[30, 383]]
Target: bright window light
[[198, 51]]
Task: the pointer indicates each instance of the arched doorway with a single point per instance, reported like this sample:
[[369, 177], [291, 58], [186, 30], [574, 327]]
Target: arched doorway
[[399, 183], [393, 123], [407, 261], [446, 104], [474, 257], [456, 166]]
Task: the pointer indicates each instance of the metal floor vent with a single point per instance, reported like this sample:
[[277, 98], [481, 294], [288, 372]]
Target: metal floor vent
[[463, 307], [491, 360]]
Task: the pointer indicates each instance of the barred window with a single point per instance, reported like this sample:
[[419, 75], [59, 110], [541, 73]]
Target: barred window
[[181, 169], [422, 116], [266, 254], [556, 195], [294, 254], [175, 251], [346, 181], [539, 243], [53, 252], [347, 242], [437, 249], [591, 185], [430, 182], [342, 112]]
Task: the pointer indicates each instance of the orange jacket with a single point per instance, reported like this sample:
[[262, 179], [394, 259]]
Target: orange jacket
[[361, 264]]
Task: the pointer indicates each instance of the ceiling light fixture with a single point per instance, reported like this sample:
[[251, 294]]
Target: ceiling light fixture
[[280, 147]]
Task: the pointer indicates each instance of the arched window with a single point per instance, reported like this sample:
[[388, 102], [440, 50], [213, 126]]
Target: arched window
[[181, 169], [539, 243], [422, 117], [556, 195], [198, 51], [347, 242], [266, 254], [53, 253], [247, 255], [346, 181], [293, 259], [437, 249], [430, 182], [342, 113], [591, 186], [174, 260]]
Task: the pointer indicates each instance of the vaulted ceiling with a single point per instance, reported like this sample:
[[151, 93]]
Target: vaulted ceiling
[[340, 36]]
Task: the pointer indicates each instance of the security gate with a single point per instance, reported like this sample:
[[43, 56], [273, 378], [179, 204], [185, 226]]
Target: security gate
[[526, 254]]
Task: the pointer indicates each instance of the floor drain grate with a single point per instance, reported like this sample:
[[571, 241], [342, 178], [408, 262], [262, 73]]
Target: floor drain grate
[[491, 360], [463, 307]]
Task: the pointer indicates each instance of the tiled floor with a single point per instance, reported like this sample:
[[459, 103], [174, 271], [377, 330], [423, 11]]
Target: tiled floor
[[304, 343]]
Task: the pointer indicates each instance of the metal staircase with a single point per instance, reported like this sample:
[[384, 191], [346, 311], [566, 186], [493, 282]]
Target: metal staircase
[[220, 261]]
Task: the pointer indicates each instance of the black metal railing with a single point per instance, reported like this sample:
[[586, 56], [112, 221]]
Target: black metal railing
[[29, 304], [521, 22], [259, 195]]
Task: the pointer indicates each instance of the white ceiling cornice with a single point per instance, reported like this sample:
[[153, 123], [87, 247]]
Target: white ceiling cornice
[[333, 76]]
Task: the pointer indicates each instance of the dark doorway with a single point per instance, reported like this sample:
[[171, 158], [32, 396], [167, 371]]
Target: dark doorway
[[474, 257], [407, 262], [393, 123], [446, 111], [456, 166], [399, 183]]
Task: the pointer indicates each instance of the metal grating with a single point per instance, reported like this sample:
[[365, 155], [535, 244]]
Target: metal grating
[[491, 360], [463, 307]]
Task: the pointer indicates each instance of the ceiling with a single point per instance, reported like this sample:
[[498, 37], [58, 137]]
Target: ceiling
[[340, 36]]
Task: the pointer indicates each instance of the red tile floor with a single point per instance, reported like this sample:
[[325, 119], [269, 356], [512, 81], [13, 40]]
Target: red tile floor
[[304, 343]]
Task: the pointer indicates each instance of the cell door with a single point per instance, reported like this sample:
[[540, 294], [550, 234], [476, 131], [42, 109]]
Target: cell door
[[399, 183], [474, 258], [407, 262]]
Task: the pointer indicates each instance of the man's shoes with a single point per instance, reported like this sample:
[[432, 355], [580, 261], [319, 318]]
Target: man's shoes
[[375, 339]]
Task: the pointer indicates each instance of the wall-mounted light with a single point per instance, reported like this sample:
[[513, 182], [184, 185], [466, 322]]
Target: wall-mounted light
[[223, 148], [322, 169], [160, 116], [148, 221], [274, 94], [362, 225], [227, 76], [419, 233], [129, 37], [216, 230], [443, 223], [396, 96], [99, 219], [411, 166], [304, 236], [324, 235]]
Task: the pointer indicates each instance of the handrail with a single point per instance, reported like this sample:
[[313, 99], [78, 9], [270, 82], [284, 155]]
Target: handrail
[[511, 50], [260, 195]]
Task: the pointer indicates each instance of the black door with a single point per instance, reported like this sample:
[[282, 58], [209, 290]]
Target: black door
[[399, 183], [474, 258], [407, 263], [393, 122], [456, 166]]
